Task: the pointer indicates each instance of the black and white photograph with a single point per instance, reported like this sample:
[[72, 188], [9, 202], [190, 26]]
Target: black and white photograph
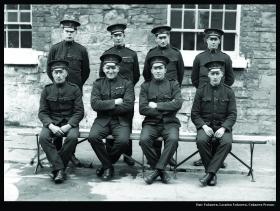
[[140, 103]]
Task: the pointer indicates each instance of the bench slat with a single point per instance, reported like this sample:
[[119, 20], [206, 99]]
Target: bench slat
[[184, 137]]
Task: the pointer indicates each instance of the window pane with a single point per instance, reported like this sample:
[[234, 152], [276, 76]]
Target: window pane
[[189, 20], [229, 41], [230, 20], [188, 41], [200, 41], [26, 27], [176, 5], [12, 6], [217, 6], [203, 19], [203, 6], [13, 39], [190, 6], [175, 39], [13, 26], [24, 6], [26, 39], [12, 17], [25, 16], [231, 6], [176, 19], [217, 20]]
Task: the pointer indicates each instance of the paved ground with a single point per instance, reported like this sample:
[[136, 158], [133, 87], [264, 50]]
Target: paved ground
[[20, 184]]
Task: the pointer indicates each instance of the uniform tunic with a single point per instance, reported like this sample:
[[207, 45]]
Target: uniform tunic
[[175, 67], [76, 55], [60, 105], [111, 118], [160, 121], [214, 106], [199, 74]]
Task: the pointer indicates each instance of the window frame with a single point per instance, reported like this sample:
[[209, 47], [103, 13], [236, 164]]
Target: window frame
[[189, 55], [19, 55]]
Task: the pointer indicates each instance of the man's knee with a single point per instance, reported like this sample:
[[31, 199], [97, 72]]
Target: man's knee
[[226, 142], [201, 140], [93, 138], [45, 136]]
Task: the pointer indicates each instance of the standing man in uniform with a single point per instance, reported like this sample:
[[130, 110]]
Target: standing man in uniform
[[77, 56], [200, 73], [214, 114], [129, 68], [61, 110], [175, 67], [112, 97], [160, 99]]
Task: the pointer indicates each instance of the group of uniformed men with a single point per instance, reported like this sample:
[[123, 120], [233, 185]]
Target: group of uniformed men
[[112, 98]]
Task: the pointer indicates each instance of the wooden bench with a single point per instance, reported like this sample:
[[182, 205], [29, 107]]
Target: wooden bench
[[183, 137]]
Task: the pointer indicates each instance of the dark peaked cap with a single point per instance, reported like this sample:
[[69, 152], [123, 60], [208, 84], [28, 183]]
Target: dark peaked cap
[[214, 32], [161, 29], [58, 64], [110, 57], [215, 65], [119, 27], [70, 23], [158, 59]]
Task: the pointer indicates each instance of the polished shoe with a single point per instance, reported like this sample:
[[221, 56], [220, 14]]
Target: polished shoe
[[206, 179], [224, 165], [151, 178], [198, 163], [108, 174], [172, 162], [60, 177], [75, 161], [53, 174], [100, 171], [165, 178], [213, 181], [128, 161]]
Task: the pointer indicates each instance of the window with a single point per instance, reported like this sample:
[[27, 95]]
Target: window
[[17, 26], [188, 22]]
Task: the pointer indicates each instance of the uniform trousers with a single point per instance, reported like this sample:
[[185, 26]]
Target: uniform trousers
[[121, 136], [213, 152], [110, 142], [170, 136], [59, 158]]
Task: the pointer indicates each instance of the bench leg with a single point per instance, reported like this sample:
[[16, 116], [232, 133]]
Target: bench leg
[[38, 155], [174, 169], [183, 161], [251, 162]]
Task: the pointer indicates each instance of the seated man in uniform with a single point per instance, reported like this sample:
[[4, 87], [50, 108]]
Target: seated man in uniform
[[160, 99], [214, 113], [112, 97], [61, 110]]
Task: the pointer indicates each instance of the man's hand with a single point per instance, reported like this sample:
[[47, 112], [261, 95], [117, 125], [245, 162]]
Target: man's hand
[[66, 128], [118, 101], [208, 130], [152, 105], [56, 130], [220, 132]]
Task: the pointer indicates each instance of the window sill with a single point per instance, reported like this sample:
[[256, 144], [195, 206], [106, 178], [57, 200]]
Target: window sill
[[21, 56], [237, 61]]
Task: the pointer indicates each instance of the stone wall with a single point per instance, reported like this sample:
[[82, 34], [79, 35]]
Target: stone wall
[[255, 87]]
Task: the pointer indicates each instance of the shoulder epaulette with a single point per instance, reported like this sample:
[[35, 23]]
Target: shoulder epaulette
[[48, 84], [152, 49], [100, 78]]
